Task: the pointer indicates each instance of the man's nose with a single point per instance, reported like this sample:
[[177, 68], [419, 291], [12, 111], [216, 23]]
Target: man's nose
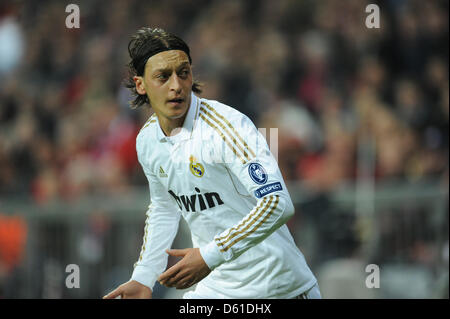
[[175, 84]]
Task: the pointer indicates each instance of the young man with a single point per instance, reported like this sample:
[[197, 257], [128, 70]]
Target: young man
[[207, 162]]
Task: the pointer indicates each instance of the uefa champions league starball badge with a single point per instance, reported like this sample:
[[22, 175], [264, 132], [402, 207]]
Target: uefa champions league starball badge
[[257, 173]]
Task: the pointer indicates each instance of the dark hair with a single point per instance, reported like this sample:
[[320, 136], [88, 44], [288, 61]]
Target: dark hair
[[144, 44]]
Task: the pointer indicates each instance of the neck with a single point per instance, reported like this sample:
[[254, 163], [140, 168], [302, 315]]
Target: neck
[[171, 127]]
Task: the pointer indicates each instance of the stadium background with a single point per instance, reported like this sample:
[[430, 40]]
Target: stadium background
[[363, 136]]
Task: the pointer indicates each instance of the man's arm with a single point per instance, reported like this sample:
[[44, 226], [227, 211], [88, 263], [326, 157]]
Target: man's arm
[[160, 230], [161, 227]]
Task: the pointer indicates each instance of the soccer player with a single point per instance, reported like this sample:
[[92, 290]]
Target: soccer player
[[207, 162]]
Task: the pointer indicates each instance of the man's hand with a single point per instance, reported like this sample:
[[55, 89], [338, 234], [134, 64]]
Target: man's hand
[[130, 290], [187, 272]]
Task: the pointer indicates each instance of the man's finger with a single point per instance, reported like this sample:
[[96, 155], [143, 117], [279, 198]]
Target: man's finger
[[184, 283], [174, 280], [113, 294], [177, 252], [172, 271]]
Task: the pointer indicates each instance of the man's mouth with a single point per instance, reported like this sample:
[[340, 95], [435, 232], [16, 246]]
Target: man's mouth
[[176, 101]]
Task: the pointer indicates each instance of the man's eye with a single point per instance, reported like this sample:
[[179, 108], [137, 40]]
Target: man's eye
[[162, 76], [184, 73]]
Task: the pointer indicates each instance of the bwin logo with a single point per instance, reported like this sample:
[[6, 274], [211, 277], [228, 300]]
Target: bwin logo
[[189, 202]]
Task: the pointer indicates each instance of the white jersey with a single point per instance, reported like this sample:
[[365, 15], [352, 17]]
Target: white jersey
[[219, 174]]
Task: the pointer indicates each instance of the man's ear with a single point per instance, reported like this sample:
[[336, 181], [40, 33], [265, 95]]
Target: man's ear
[[139, 81]]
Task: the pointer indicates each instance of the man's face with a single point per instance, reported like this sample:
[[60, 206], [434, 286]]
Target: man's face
[[167, 81]]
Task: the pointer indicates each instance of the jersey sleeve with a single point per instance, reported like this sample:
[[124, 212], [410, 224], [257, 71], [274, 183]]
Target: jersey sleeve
[[161, 227], [248, 158]]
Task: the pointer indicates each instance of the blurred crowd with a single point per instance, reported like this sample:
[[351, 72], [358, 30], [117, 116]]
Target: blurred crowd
[[349, 102], [310, 68]]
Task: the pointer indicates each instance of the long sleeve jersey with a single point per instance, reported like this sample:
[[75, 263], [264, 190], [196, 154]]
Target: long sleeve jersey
[[219, 174]]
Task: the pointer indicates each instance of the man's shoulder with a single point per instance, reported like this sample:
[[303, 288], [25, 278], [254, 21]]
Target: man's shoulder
[[212, 109], [146, 132], [148, 124]]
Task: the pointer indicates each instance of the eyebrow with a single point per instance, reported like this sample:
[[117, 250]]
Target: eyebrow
[[182, 65]]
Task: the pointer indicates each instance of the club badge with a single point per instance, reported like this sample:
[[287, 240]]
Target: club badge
[[196, 168]]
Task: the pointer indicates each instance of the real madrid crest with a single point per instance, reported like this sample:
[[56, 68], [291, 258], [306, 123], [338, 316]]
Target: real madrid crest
[[196, 168]]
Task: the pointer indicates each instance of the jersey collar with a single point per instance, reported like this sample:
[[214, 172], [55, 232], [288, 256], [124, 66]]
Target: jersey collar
[[188, 125]]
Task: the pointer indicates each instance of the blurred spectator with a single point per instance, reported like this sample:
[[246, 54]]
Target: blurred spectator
[[13, 235], [11, 40]]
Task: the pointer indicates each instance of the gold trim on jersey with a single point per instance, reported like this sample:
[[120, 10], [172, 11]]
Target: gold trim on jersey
[[264, 201], [251, 223], [144, 241], [151, 120], [223, 137], [230, 126], [258, 212], [226, 131]]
